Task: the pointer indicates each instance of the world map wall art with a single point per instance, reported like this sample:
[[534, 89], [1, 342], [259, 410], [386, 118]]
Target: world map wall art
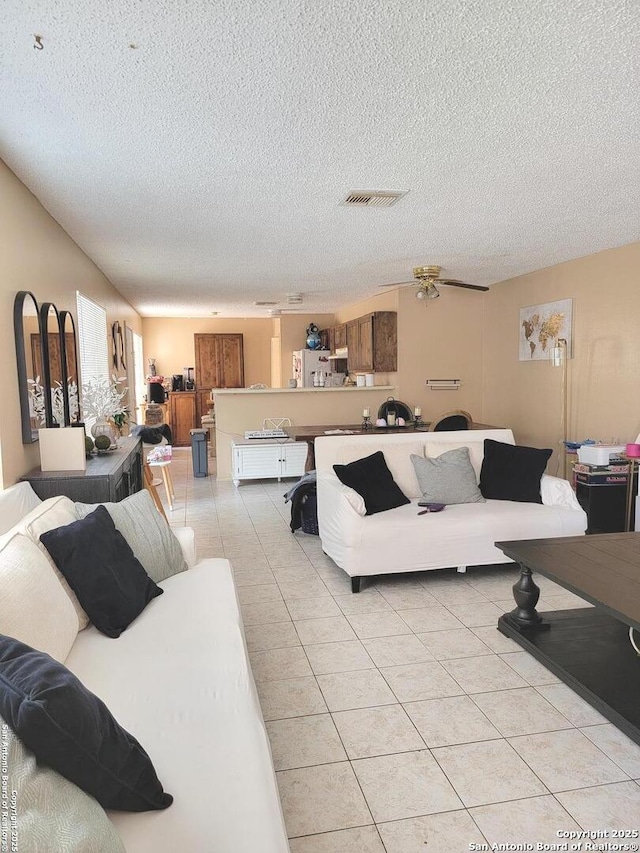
[[541, 326]]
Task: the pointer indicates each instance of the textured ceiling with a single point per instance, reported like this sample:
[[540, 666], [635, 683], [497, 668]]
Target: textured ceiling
[[197, 150]]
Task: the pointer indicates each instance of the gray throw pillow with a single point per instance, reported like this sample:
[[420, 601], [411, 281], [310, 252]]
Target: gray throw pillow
[[146, 532], [448, 478], [51, 812]]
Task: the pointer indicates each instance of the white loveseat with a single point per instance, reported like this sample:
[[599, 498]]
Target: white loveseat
[[399, 540], [179, 680]]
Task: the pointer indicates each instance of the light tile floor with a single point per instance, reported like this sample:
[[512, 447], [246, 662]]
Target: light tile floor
[[400, 719]]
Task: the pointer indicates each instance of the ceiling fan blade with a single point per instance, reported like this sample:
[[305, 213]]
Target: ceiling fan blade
[[454, 283], [399, 283]]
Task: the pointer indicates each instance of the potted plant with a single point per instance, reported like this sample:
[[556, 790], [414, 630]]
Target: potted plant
[[103, 400]]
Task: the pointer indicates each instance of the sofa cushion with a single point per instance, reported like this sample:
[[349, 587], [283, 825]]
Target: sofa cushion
[[15, 503], [72, 731], [226, 795], [109, 581], [397, 457], [52, 812], [512, 472], [448, 479], [371, 478], [33, 606], [50, 514], [146, 532]]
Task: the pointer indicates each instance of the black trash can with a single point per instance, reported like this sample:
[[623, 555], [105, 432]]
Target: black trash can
[[199, 452]]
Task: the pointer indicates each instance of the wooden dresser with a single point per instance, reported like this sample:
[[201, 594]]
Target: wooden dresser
[[109, 476]]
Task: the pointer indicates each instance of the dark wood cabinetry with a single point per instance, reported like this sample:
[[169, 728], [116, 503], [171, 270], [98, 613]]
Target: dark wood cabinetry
[[182, 405], [109, 477], [219, 361], [340, 335], [372, 342]]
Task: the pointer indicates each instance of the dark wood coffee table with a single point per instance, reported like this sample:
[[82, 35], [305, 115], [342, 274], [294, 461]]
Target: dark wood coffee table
[[588, 648]]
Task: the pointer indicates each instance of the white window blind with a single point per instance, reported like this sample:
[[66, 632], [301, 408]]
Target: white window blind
[[92, 340]]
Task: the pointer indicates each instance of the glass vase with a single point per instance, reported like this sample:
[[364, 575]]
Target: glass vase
[[104, 427]]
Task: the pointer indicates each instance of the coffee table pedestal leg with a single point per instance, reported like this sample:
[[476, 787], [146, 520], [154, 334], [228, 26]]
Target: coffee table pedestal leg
[[526, 593]]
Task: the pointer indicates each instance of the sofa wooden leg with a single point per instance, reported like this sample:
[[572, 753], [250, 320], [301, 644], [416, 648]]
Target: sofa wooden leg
[[355, 584], [462, 569]]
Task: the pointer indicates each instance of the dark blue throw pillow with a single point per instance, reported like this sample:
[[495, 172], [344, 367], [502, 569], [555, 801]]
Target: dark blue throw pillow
[[68, 728], [371, 478], [99, 565]]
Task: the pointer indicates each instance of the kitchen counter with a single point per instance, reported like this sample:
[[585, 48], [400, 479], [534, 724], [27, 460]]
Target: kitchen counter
[[241, 409], [310, 390]]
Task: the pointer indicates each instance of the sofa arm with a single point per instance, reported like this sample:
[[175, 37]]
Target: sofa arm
[[557, 492], [340, 510], [187, 538]]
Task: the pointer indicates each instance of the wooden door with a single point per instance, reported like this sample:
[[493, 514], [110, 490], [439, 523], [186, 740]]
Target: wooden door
[[365, 342], [230, 358], [219, 361], [206, 362]]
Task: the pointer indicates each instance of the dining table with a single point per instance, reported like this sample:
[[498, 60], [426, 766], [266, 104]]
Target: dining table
[[311, 432]]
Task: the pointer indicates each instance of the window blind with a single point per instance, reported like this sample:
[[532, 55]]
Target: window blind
[[93, 350]]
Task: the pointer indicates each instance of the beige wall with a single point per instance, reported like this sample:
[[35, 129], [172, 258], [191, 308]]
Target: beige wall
[[441, 339], [37, 254], [604, 375], [171, 342]]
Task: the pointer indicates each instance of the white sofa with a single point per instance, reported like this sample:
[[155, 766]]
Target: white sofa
[[401, 541], [179, 680]]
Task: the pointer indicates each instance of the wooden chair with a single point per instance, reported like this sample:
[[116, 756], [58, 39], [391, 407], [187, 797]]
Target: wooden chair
[[151, 485], [453, 420]]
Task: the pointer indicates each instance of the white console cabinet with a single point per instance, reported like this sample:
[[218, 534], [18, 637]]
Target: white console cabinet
[[262, 459]]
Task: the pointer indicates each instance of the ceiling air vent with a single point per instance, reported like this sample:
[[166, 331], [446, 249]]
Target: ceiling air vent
[[265, 303], [294, 298], [373, 198]]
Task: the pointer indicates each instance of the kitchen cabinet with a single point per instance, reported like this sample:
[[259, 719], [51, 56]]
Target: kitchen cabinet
[[108, 477], [372, 342], [182, 405], [219, 361], [340, 335], [265, 460], [327, 340]]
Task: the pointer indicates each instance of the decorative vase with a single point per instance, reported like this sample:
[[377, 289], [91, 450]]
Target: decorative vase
[[313, 338], [104, 427]]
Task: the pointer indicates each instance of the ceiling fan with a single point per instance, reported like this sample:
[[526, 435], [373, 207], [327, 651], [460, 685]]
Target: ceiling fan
[[427, 277]]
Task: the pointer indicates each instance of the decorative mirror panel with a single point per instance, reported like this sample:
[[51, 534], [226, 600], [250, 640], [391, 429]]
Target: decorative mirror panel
[[26, 324], [71, 397]]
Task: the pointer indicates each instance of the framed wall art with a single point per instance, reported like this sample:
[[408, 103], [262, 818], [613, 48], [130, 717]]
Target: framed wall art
[[541, 326]]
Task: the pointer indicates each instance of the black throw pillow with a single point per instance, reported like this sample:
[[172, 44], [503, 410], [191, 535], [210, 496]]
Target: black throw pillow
[[68, 728], [371, 478], [110, 583], [512, 473]]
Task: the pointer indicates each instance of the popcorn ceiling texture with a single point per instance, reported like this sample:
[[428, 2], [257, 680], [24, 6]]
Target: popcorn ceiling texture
[[202, 169]]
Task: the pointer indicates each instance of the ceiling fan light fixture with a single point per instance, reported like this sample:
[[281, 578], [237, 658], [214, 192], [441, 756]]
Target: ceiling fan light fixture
[[421, 293], [432, 291]]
